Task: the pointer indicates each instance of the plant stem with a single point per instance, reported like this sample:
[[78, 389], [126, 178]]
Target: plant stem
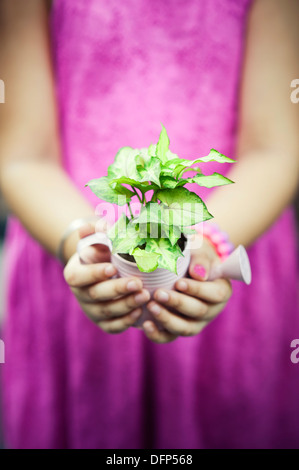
[[130, 209], [135, 191], [154, 197]]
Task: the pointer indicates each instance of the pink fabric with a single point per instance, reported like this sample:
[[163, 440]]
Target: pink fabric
[[122, 68]]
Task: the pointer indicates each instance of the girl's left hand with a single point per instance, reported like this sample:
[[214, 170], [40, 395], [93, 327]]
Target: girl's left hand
[[187, 312]]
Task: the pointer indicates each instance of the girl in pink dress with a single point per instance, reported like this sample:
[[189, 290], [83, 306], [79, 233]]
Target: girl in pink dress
[[216, 73]]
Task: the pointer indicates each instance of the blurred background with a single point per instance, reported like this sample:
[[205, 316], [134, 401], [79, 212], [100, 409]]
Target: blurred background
[[3, 216]]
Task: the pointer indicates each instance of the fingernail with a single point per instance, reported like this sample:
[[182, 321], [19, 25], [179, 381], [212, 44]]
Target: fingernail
[[162, 296], [199, 270], [149, 327], [142, 297], [132, 285], [154, 308], [182, 285], [110, 270], [136, 313]]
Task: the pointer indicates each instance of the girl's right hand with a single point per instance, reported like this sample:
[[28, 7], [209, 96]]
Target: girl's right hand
[[113, 304]]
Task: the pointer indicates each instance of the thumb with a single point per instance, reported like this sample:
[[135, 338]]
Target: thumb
[[200, 266], [91, 227], [95, 253], [85, 230]]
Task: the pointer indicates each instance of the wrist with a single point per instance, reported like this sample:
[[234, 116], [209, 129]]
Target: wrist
[[210, 249], [216, 239], [70, 246], [71, 236]]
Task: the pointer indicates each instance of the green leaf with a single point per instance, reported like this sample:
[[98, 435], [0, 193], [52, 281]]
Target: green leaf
[[118, 227], [154, 222], [178, 167], [126, 241], [181, 165], [151, 171], [131, 182], [168, 182], [146, 262], [169, 253], [166, 172], [143, 156], [124, 164], [140, 162], [152, 150], [210, 181], [151, 212], [172, 163], [179, 170], [134, 167], [170, 155], [195, 169], [185, 207], [117, 195], [183, 181], [147, 152], [215, 156], [162, 145], [150, 220], [171, 232]]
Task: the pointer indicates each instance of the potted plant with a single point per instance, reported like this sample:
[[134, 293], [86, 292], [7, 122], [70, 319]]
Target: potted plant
[[150, 241]]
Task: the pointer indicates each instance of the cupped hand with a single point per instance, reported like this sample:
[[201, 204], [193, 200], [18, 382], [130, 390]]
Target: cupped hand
[[113, 304], [193, 305]]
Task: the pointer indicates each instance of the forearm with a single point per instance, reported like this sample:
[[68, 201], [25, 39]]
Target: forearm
[[265, 183], [31, 178], [266, 173], [42, 196]]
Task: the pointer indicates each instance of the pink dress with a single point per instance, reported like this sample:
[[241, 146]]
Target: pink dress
[[122, 68]]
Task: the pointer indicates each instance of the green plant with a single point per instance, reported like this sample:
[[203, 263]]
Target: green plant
[[153, 237]]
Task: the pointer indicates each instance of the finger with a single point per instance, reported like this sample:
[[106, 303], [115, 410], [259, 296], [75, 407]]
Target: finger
[[185, 304], [114, 308], [79, 275], [173, 323], [113, 288], [85, 230], [154, 334], [98, 253], [95, 253], [118, 325], [216, 291], [100, 225], [200, 266]]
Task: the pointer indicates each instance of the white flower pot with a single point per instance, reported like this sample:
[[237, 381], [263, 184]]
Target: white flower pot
[[160, 278], [151, 281]]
